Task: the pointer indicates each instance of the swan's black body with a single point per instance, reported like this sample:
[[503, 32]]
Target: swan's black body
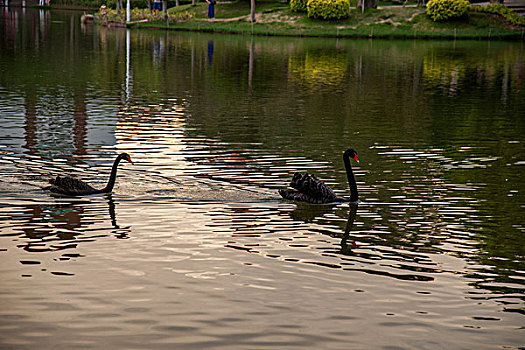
[[71, 186], [312, 190]]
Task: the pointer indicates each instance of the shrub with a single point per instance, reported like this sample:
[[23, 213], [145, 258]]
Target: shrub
[[503, 11], [141, 14], [93, 4], [328, 9], [298, 5], [133, 3], [444, 10]]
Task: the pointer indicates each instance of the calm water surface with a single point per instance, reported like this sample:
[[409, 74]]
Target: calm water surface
[[195, 249]]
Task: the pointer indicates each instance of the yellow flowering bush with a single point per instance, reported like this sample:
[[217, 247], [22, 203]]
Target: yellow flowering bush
[[444, 10], [328, 9], [298, 5]]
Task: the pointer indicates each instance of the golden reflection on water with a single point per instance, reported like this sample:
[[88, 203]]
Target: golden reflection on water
[[317, 69], [159, 128]]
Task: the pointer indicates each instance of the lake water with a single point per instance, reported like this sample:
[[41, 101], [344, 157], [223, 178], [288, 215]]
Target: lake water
[[196, 249]]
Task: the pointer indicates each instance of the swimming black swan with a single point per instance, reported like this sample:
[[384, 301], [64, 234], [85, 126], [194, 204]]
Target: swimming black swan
[[74, 187], [312, 190]]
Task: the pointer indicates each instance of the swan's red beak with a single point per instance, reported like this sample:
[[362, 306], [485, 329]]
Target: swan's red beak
[[129, 160], [355, 158]]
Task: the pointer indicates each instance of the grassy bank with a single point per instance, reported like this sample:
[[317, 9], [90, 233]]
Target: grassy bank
[[275, 18]]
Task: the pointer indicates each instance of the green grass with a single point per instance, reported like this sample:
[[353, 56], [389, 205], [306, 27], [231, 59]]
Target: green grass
[[275, 18]]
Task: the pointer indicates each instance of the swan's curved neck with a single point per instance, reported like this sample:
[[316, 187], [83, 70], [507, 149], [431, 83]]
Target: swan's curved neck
[[112, 177], [351, 179]]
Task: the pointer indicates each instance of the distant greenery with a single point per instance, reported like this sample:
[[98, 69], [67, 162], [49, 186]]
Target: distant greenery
[[511, 16], [230, 9], [78, 3], [276, 18], [141, 4], [142, 14], [444, 10], [94, 4]]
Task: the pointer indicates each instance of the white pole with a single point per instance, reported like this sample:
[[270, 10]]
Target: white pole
[[128, 11]]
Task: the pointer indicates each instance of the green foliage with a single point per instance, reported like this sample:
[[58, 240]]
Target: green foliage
[[328, 9], [141, 14], [444, 10], [135, 3], [79, 3], [298, 5], [111, 3], [498, 9], [356, 26]]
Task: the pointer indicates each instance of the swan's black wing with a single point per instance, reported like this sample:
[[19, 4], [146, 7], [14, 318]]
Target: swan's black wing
[[313, 187], [302, 197], [71, 186], [310, 189]]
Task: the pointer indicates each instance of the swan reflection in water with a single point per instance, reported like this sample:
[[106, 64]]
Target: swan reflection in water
[[62, 225], [345, 248], [120, 232], [309, 213]]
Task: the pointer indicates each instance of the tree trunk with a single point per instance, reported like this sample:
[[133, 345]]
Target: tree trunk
[[193, 2], [165, 9], [369, 4], [176, 2], [149, 5], [119, 6], [252, 11]]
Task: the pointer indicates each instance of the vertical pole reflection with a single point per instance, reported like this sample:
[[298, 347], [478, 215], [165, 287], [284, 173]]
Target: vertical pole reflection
[[80, 118], [250, 64], [192, 61], [505, 83], [30, 125], [210, 52], [360, 68], [42, 21], [128, 77]]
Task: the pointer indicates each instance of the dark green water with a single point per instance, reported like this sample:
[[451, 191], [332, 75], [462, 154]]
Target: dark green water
[[195, 248]]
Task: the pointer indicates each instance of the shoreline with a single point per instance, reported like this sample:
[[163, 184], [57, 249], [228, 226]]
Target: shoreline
[[387, 22], [415, 35]]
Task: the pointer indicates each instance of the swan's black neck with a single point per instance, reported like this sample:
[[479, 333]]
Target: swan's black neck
[[113, 176], [351, 179]]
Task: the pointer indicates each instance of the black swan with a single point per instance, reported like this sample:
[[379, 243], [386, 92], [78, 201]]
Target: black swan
[[72, 186], [312, 190]]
